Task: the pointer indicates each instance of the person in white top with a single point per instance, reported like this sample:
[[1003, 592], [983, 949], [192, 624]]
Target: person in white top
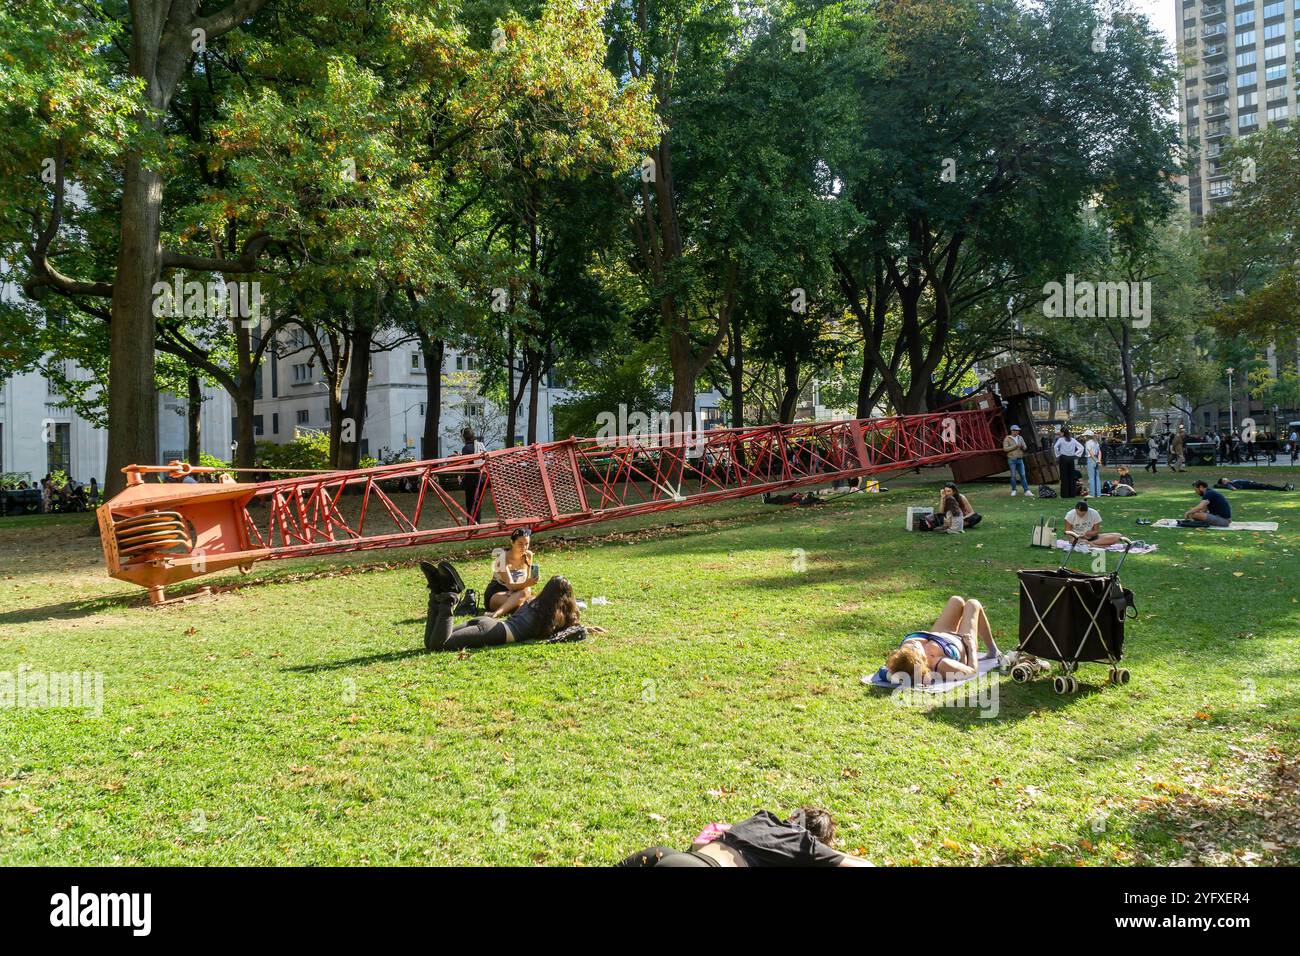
[[1085, 524], [1092, 458], [1153, 454], [1067, 449]]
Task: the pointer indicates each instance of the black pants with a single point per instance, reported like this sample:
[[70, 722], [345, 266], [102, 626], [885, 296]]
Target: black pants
[[472, 502], [1151, 465], [662, 856], [439, 635], [1246, 484], [1069, 479]]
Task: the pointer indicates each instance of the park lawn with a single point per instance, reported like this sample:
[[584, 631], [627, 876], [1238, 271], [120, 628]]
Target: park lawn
[[297, 720]]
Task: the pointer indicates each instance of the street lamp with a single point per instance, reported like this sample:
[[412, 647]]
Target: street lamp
[[406, 440], [1232, 423]]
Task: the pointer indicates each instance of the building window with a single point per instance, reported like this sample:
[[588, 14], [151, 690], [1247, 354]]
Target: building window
[[473, 409], [415, 360], [1278, 113], [1275, 52], [303, 415], [58, 453], [1247, 121], [1274, 10], [1245, 58], [1275, 73], [1244, 39], [301, 372], [275, 423], [1244, 18], [1247, 99], [1247, 79]]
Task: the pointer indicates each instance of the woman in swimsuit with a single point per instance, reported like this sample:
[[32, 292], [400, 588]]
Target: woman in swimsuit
[[948, 648], [512, 575]]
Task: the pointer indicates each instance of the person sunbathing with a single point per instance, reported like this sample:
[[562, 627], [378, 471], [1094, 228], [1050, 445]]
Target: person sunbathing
[[802, 839], [1084, 524], [1248, 484], [552, 615], [948, 649]]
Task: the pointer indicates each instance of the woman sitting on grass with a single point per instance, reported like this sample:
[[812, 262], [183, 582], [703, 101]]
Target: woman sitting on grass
[[947, 650], [803, 839], [970, 517], [512, 575]]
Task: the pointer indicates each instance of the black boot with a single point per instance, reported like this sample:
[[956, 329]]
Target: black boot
[[449, 569], [438, 624], [441, 577]]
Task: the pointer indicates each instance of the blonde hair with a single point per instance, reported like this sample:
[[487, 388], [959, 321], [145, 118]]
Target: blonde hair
[[909, 659]]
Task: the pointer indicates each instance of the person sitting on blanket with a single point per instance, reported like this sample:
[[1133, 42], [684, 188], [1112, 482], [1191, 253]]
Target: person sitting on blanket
[[1247, 484], [1213, 510], [802, 839], [970, 517], [552, 615], [1124, 476], [947, 650], [1085, 524]]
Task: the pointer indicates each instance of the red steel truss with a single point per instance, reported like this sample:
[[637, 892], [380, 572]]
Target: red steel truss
[[157, 534]]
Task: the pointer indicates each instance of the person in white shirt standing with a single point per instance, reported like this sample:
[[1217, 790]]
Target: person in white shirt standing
[[1085, 524], [1067, 450], [1014, 447], [1092, 458], [1153, 454]]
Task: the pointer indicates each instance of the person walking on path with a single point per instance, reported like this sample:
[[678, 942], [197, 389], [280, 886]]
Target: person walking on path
[[1177, 451]]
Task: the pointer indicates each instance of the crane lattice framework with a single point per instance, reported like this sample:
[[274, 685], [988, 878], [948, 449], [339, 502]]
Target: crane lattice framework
[[155, 534]]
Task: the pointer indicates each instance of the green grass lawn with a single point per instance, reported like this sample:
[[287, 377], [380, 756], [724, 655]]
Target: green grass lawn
[[297, 720]]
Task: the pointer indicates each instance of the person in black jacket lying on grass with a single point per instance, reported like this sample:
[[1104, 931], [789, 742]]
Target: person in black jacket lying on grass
[[803, 839], [1246, 484], [552, 615]]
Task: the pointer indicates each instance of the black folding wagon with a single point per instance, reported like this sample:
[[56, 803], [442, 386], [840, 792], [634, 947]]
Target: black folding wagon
[[1071, 617]]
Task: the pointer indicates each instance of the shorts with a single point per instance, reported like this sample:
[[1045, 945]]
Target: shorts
[[494, 588]]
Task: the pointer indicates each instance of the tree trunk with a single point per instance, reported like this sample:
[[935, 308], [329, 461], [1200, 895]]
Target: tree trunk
[[789, 389], [245, 437], [433, 356], [513, 398], [534, 390], [132, 395], [354, 413], [193, 420]]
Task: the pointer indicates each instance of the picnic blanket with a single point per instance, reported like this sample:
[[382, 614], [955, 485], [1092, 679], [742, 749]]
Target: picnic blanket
[[1083, 547], [876, 680], [1235, 526]]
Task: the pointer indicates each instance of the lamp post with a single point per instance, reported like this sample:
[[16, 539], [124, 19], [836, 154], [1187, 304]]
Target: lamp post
[[1232, 423], [406, 440]]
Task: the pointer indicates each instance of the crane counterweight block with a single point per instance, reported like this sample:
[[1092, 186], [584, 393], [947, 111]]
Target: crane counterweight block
[[155, 534]]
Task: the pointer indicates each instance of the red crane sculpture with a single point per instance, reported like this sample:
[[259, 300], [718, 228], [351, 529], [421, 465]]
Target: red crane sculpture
[[155, 534]]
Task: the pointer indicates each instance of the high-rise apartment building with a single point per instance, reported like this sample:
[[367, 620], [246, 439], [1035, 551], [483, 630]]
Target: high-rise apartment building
[[1238, 61]]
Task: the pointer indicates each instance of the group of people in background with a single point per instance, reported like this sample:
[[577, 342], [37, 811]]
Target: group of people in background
[[48, 498]]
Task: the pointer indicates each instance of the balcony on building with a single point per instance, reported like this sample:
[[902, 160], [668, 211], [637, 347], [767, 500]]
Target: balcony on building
[[1211, 12], [1217, 91], [1216, 30]]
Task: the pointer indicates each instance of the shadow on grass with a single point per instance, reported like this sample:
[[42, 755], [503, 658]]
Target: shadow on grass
[[366, 659], [70, 610]]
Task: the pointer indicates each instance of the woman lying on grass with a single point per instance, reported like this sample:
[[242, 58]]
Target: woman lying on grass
[[947, 650], [551, 616], [804, 839]]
